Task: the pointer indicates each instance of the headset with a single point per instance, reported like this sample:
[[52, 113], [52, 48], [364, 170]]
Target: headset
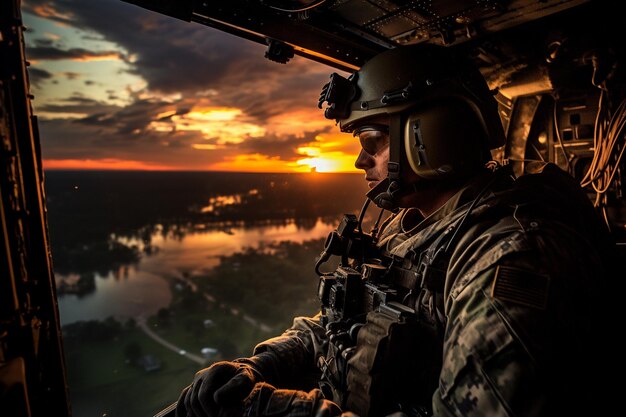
[[443, 119]]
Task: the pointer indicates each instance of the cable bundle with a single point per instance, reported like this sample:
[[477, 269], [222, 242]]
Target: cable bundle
[[608, 148]]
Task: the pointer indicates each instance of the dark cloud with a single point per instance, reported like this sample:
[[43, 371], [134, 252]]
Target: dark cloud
[[116, 132], [43, 42], [66, 139], [281, 146], [130, 120], [92, 37], [76, 106], [53, 53], [78, 97], [171, 55], [178, 57], [38, 75]]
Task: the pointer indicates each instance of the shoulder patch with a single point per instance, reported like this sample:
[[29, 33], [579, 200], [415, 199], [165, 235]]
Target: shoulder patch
[[521, 286]]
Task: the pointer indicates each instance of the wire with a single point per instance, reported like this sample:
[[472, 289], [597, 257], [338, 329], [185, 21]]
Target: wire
[[606, 218], [360, 229], [537, 152], [596, 135], [303, 9], [322, 259], [558, 136], [608, 145], [608, 149], [374, 231]]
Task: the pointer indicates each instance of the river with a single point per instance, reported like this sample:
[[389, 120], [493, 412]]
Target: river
[[141, 289]]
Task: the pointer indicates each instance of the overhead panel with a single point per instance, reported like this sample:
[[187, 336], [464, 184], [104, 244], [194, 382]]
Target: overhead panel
[[345, 33]]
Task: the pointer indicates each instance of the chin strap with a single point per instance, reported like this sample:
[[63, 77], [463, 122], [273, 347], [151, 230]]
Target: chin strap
[[387, 193]]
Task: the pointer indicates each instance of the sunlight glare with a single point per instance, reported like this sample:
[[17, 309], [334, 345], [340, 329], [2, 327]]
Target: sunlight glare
[[328, 162], [319, 164]]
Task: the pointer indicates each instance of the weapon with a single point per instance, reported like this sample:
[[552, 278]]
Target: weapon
[[361, 282], [357, 286], [369, 285]]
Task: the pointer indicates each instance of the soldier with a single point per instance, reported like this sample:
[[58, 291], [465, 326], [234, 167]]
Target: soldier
[[498, 282]]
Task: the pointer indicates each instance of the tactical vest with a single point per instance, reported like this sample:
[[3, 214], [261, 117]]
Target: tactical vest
[[372, 355], [385, 325]]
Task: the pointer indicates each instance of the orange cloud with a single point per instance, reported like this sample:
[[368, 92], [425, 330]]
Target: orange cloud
[[297, 121], [224, 123], [255, 163], [338, 141], [105, 164], [48, 11], [112, 56]]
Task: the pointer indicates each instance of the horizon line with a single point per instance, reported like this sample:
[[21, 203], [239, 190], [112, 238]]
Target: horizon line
[[196, 170]]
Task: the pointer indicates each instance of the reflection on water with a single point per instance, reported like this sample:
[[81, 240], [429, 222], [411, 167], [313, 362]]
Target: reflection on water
[[142, 289], [223, 200], [141, 293]]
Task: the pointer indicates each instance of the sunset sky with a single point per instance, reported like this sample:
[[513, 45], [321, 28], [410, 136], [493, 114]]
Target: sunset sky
[[119, 87]]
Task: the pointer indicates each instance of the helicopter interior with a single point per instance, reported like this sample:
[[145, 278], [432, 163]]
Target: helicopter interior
[[556, 66]]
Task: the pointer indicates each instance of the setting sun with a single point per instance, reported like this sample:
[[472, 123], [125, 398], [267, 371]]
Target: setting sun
[[334, 162], [320, 164]]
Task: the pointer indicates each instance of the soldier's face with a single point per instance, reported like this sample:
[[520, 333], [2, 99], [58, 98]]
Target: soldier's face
[[374, 155]]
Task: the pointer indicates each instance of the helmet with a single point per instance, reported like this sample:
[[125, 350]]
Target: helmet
[[448, 117]]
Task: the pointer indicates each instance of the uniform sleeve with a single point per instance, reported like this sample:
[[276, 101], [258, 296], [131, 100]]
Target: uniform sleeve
[[296, 352], [491, 366]]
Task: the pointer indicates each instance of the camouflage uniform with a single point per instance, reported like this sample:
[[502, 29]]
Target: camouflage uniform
[[520, 312]]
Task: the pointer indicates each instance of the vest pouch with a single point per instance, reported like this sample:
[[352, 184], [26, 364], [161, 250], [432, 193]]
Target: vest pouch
[[393, 347]]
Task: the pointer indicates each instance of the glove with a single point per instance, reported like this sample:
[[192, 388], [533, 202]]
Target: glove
[[220, 389], [267, 401]]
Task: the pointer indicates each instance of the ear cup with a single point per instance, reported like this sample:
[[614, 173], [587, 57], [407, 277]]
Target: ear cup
[[445, 139]]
